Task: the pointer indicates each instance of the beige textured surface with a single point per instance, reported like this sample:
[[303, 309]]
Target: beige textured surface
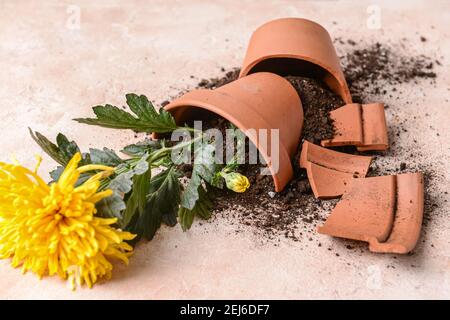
[[51, 74]]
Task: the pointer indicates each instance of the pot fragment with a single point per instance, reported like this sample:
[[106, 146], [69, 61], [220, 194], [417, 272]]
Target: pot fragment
[[361, 125], [384, 211], [330, 172], [408, 216]]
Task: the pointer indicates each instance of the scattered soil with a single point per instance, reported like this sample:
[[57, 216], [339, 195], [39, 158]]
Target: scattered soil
[[294, 212], [370, 69], [220, 81]]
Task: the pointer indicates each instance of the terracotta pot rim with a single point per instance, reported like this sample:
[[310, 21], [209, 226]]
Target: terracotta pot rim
[[293, 19], [198, 103]]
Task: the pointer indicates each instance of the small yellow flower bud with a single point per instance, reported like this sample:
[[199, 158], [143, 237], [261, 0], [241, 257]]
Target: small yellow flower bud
[[236, 181]]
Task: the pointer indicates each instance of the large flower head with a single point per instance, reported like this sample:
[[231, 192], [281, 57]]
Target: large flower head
[[53, 229]]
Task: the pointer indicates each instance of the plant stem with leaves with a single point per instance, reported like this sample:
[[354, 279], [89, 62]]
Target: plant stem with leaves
[[142, 201]]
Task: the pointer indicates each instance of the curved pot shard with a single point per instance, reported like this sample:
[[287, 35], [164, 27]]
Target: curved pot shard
[[365, 212], [408, 216], [258, 104], [330, 172], [385, 211], [363, 126], [293, 46]]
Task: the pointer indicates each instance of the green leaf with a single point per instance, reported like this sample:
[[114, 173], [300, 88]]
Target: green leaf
[[109, 116], [141, 148], [56, 173], [186, 218], [202, 209], [141, 106], [67, 148], [137, 199], [111, 207], [124, 181], [204, 168], [163, 201], [190, 194], [145, 118], [170, 219], [62, 151], [217, 181], [239, 138], [106, 157], [133, 180], [49, 147]]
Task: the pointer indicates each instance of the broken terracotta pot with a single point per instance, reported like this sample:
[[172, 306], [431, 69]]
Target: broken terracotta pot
[[363, 126], [293, 46], [384, 211], [330, 172], [260, 101]]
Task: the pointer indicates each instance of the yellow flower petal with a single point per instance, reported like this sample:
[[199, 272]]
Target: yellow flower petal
[[53, 229]]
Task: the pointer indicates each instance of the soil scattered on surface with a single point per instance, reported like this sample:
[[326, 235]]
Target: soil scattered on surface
[[294, 212], [369, 69]]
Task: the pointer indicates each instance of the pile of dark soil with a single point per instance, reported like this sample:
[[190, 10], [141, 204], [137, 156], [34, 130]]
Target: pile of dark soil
[[278, 213]]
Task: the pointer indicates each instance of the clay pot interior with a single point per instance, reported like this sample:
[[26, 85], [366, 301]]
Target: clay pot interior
[[294, 67]]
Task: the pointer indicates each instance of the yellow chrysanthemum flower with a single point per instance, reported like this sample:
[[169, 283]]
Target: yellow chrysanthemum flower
[[236, 181], [52, 229]]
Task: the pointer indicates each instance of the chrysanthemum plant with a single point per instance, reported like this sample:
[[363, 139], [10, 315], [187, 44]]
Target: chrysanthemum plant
[[99, 204], [145, 185]]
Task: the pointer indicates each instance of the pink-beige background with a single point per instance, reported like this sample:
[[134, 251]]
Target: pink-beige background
[[52, 71]]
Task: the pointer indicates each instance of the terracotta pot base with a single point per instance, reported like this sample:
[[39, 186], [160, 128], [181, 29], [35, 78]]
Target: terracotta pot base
[[363, 126], [293, 46], [384, 211], [330, 172]]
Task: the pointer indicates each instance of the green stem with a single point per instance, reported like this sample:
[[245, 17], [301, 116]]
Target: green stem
[[166, 150], [156, 155]]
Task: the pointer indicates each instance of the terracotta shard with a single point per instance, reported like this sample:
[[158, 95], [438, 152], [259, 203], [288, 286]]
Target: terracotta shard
[[384, 211], [256, 104], [408, 216], [330, 172], [293, 46], [365, 212], [363, 126]]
